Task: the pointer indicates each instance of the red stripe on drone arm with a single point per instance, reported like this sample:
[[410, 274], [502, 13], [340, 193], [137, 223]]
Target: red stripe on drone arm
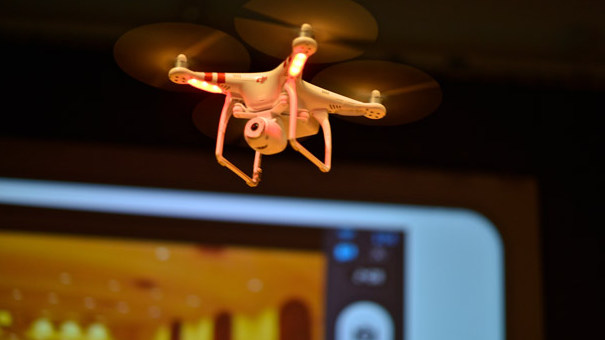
[[204, 85], [220, 78], [208, 76]]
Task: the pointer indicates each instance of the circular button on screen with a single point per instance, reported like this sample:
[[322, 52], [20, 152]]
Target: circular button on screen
[[364, 320]]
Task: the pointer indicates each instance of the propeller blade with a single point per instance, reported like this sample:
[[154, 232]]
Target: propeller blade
[[407, 93], [148, 52], [206, 116], [343, 28]]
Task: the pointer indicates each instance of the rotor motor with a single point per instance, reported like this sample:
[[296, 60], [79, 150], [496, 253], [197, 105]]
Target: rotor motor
[[305, 43]]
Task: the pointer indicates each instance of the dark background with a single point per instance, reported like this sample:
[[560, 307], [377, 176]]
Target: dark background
[[523, 83]]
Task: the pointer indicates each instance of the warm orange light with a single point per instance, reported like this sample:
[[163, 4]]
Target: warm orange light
[[298, 62], [98, 331], [6, 319], [41, 329], [70, 330], [202, 85]]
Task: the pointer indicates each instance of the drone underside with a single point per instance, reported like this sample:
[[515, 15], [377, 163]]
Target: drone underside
[[278, 106]]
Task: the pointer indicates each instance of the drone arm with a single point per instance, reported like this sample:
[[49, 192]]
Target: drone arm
[[220, 141], [322, 117], [214, 82]]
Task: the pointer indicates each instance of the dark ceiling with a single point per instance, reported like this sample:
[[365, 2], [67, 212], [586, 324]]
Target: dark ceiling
[[520, 80], [523, 83]]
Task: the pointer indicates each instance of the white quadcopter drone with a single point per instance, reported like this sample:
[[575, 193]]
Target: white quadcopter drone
[[278, 106]]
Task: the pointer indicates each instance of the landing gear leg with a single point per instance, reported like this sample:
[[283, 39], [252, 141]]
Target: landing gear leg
[[322, 118], [220, 141]]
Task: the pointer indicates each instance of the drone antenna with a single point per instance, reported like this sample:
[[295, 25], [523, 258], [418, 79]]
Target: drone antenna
[[303, 47], [375, 97], [306, 31], [181, 61]]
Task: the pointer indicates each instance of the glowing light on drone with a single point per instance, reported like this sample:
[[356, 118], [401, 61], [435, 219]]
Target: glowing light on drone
[[298, 62], [202, 85]]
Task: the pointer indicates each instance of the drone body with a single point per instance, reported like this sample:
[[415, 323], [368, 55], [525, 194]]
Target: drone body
[[280, 107], [277, 106]]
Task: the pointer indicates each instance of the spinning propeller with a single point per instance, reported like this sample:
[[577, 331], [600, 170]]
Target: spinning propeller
[[343, 28], [206, 119], [408, 93], [148, 52]]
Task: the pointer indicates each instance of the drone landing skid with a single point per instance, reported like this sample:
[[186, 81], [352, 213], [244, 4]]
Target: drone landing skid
[[220, 142], [321, 116]]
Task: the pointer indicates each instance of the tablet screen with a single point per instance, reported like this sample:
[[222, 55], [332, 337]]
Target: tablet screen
[[90, 261], [341, 284]]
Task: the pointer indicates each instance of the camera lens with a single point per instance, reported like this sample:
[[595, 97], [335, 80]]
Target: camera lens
[[254, 126]]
